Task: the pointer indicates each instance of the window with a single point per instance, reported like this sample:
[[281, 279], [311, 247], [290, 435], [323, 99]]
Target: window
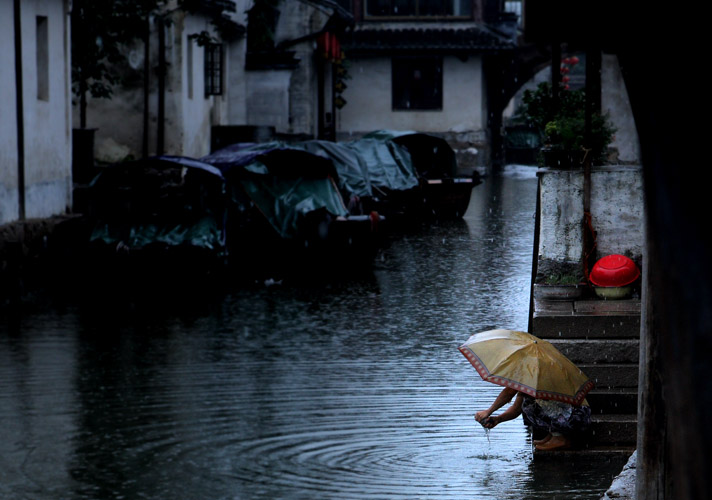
[[420, 8], [213, 69], [417, 83], [189, 66], [42, 59]]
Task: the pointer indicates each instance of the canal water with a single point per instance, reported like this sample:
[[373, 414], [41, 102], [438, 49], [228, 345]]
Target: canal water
[[351, 389]]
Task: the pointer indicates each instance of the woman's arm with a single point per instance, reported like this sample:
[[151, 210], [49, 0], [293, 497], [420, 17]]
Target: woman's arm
[[504, 397], [509, 414]]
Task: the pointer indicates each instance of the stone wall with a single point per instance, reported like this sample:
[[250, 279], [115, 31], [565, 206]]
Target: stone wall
[[617, 212]]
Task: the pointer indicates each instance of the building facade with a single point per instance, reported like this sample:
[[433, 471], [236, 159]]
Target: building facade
[[424, 66], [35, 118]]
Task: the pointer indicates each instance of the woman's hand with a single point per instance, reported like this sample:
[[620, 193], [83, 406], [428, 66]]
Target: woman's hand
[[491, 422], [481, 416]]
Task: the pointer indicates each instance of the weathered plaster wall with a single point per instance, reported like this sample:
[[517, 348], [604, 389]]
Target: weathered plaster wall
[[462, 121], [196, 112], [189, 114], [617, 211], [615, 102], [369, 99], [236, 77], [268, 98], [47, 122], [8, 118]]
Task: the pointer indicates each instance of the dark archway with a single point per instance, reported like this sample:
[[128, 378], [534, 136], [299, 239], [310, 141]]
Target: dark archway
[[655, 46]]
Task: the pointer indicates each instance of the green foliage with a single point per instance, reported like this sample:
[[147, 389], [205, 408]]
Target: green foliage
[[262, 22], [539, 108], [562, 126], [219, 13], [100, 31], [103, 29]]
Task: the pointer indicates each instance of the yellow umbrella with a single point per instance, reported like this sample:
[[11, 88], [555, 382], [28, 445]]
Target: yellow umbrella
[[527, 364]]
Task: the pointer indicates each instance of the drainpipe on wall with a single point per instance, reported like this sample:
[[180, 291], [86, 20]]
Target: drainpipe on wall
[[146, 68], [593, 105], [160, 132], [555, 71], [20, 113]]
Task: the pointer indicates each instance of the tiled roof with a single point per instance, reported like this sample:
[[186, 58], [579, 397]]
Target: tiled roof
[[440, 39]]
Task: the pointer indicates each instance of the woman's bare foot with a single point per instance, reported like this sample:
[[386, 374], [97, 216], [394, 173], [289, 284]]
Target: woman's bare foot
[[542, 440], [554, 443]]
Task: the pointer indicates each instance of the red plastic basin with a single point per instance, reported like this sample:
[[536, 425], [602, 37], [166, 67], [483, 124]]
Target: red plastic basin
[[614, 270]]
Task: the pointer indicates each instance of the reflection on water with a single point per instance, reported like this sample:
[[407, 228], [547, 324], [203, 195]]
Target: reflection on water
[[336, 390]]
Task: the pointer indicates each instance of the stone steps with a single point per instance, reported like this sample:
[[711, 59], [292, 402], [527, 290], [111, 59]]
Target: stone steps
[[613, 429], [602, 338], [586, 453], [598, 350], [613, 400], [587, 319], [606, 375]]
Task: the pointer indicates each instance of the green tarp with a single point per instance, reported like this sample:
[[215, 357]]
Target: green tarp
[[283, 201], [367, 164], [203, 233]]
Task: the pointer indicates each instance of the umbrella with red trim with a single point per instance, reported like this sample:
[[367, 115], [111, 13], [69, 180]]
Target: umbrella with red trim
[[527, 364]]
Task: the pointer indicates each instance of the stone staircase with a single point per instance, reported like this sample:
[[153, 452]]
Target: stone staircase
[[602, 338]]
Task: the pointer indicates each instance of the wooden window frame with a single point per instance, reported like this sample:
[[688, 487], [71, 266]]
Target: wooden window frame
[[404, 90], [214, 66], [416, 14]]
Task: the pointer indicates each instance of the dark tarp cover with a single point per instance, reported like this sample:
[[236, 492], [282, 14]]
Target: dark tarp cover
[[165, 200], [432, 156], [283, 201], [368, 163], [285, 183]]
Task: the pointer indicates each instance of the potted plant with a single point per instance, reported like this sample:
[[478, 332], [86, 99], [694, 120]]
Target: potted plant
[[564, 140], [562, 124]]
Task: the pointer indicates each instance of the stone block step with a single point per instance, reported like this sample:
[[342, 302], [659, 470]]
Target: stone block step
[[588, 307], [598, 351], [612, 430], [573, 326], [613, 401], [587, 453], [612, 375]]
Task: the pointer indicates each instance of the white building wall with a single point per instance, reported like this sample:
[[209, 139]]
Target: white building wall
[[8, 117], [369, 106], [236, 78], [46, 116], [194, 110], [268, 98], [48, 131]]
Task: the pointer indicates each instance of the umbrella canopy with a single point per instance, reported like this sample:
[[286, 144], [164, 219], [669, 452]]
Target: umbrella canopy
[[527, 364]]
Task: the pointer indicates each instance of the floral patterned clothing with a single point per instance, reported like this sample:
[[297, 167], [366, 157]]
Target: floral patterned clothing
[[554, 416]]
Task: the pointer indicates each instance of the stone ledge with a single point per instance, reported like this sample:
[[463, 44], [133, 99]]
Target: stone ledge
[[612, 375], [586, 453], [549, 326], [629, 307], [623, 485], [599, 350]]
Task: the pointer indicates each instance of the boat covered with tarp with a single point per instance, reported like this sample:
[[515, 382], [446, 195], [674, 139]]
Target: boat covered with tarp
[[374, 174], [286, 208], [444, 193], [402, 174], [162, 209]]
